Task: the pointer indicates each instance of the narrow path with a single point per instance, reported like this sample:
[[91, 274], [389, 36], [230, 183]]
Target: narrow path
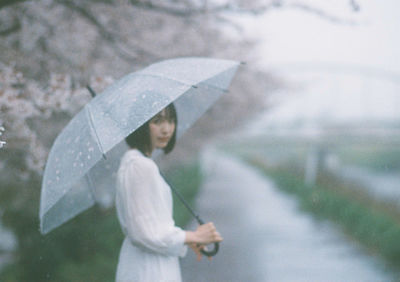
[[266, 237]]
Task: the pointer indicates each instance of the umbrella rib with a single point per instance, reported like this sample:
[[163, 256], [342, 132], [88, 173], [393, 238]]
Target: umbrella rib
[[90, 184], [45, 214], [185, 83], [89, 113]]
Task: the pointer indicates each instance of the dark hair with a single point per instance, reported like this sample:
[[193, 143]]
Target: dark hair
[[140, 138]]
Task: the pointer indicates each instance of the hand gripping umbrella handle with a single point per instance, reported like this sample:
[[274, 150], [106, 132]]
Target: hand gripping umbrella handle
[[204, 251], [211, 253]]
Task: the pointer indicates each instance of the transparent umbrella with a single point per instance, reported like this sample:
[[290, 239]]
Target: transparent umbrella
[[84, 158]]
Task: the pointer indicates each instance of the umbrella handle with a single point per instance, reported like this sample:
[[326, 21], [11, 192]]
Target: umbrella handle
[[205, 252], [211, 253]]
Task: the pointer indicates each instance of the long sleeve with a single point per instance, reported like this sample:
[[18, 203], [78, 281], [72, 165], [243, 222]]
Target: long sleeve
[[145, 209]]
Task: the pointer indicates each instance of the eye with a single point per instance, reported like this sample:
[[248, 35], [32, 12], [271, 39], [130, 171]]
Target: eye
[[156, 120], [160, 119]]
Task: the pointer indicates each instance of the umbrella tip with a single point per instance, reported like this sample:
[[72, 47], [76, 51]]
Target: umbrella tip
[[91, 91]]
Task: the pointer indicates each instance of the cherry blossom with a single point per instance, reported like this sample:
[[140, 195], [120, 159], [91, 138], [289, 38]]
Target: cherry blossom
[[23, 101]]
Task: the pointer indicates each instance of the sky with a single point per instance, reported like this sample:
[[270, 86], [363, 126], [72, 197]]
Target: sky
[[336, 72], [291, 35]]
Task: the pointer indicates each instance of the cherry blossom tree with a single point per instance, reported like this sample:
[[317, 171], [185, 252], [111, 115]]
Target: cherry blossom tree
[[23, 102]]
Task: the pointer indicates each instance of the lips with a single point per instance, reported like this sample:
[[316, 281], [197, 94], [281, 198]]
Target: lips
[[164, 139]]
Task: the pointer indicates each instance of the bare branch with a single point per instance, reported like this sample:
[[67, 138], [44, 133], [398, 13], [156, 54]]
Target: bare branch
[[240, 9], [354, 5], [174, 11], [206, 9], [321, 13]]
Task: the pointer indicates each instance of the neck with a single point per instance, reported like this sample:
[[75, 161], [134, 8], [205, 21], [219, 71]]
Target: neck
[[146, 153], [149, 152]]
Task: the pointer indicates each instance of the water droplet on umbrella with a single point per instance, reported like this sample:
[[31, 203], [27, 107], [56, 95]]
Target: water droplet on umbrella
[[91, 149], [143, 96], [88, 157], [58, 178], [57, 171]]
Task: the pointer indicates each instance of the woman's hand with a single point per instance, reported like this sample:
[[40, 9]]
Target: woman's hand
[[197, 250], [205, 234]]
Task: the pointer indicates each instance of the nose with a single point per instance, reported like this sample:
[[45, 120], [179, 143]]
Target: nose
[[166, 127]]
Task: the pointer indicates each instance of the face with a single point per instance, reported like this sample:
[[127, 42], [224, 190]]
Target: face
[[161, 130]]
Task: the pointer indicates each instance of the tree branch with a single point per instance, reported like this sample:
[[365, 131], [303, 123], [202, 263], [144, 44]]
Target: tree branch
[[322, 14], [110, 37], [238, 9]]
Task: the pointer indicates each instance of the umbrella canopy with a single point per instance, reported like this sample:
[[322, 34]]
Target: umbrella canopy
[[84, 159]]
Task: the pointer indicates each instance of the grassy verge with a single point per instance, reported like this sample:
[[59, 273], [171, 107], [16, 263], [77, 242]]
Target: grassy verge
[[84, 249], [385, 158], [374, 224]]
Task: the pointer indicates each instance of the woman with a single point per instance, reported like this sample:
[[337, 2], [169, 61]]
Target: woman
[[153, 243]]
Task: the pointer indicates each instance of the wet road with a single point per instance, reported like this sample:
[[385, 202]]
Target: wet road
[[266, 237]]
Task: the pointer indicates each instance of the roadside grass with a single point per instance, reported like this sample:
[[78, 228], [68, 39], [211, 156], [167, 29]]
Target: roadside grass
[[376, 225], [377, 157], [85, 248]]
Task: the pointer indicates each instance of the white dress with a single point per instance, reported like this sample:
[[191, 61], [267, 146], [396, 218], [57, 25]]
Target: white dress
[[153, 243]]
